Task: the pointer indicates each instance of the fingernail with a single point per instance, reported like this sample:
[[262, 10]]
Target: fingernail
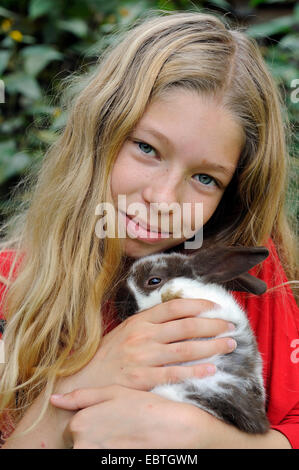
[[231, 326], [232, 344], [56, 396]]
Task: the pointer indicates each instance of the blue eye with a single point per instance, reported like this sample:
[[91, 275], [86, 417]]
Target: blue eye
[[206, 179], [145, 148]]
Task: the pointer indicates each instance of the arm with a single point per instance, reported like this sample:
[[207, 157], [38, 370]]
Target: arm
[[131, 355], [47, 434], [164, 424], [275, 321], [229, 437]]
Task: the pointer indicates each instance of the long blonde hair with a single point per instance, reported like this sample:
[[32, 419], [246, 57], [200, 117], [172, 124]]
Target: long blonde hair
[[54, 305]]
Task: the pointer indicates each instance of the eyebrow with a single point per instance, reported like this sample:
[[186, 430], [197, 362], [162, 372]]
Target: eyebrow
[[209, 165], [157, 134]]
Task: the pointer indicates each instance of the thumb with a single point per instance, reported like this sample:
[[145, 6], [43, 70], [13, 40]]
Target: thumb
[[83, 397]]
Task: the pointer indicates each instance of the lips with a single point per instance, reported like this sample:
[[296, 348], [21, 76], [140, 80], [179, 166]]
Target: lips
[[137, 231], [147, 227]]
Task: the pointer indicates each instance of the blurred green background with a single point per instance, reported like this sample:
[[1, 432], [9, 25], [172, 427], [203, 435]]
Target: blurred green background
[[43, 41]]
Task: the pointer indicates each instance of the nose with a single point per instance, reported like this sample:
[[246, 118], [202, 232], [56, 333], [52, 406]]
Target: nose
[[163, 196], [163, 190]]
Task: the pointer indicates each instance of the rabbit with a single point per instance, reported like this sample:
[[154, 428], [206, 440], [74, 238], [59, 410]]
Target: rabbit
[[235, 393]]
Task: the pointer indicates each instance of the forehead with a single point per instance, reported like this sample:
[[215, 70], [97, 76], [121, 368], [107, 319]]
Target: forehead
[[194, 126]]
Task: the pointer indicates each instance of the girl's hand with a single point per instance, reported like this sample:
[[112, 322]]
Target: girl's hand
[[134, 352], [117, 417]]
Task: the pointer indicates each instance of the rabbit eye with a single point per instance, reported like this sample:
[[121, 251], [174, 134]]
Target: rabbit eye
[[153, 281]]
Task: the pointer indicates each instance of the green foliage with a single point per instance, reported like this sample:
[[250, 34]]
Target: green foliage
[[43, 41], [282, 57]]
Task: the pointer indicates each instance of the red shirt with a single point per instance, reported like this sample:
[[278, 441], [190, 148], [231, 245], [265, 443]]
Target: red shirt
[[274, 318]]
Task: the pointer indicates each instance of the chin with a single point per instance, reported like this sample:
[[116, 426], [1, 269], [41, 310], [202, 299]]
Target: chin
[[137, 249]]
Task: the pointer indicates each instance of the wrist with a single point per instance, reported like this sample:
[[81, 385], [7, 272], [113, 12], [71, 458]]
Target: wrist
[[215, 434]]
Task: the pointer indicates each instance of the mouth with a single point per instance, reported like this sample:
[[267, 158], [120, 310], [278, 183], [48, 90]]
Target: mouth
[[143, 231], [147, 227]]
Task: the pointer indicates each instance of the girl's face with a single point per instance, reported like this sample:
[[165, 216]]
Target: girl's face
[[184, 149]]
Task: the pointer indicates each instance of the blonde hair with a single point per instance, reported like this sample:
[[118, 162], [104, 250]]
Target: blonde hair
[[54, 305]]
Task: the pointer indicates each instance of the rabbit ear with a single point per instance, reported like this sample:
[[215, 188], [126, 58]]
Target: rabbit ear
[[222, 264], [247, 283]]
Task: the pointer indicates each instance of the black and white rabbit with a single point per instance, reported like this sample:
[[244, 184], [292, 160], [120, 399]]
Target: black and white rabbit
[[235, 393]]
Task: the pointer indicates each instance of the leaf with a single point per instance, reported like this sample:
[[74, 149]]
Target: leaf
[[4, 59], [21, 83], [7, 148], [39, 8], [46, 136], [14, 165], [27, 39], [281, 71], [7, 42], [60, 121], [75, 26], [276, 26], [2, 92], [135, 9], [7, 13], [221, 3], [254, 3], [290, 42], [10, 125], [41, 108], [38, 57]]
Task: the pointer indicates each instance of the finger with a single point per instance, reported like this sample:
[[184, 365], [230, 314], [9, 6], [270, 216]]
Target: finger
[[83, 397], [178, 308], [188, 328], [186, 351], [177, 374]]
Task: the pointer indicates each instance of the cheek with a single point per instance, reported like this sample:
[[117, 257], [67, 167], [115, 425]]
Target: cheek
[[120, 176], [127, 176]]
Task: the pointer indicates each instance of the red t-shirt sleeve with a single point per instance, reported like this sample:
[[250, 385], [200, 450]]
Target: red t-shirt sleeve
[[274, 317], [6, 260]]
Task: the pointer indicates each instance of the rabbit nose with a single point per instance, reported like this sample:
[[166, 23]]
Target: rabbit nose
[[170, 293]]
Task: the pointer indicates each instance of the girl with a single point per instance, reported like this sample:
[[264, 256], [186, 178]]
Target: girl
[[182, 110]]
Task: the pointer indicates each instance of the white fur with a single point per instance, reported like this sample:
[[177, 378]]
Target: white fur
[[227, 309]]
